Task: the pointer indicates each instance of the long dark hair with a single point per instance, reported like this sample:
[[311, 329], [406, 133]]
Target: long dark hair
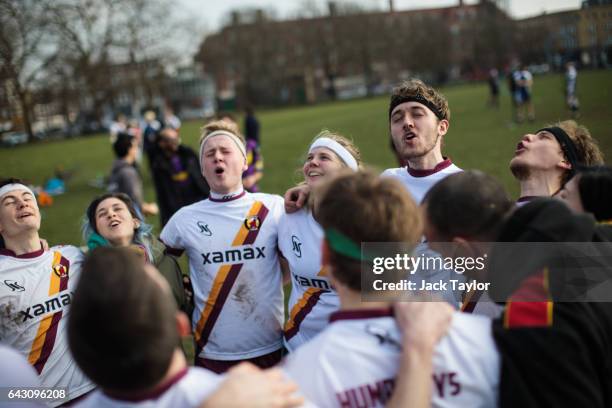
[[142, 235]]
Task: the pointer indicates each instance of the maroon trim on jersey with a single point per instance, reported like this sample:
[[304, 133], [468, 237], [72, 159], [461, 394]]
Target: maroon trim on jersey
[[428, 172], [222, 366], [252, 235], [360, 314], [301, 315], [225, 200], [526, 199], [224, 292], [51, 333], [152, 394], [172, 251], [470, 305], [47, 346], [35, 254]]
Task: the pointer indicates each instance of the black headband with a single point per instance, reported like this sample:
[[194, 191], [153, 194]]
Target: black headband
[[567, 146], [415, 98]]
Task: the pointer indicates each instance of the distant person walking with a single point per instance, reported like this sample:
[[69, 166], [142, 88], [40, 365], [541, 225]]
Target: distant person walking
[[251, 125], [493, 88], [171, 120], [255, 164], [571, 99], [119, 125], [510, 74], [150, 129], [524, 82], [125, 177], [176, 173]]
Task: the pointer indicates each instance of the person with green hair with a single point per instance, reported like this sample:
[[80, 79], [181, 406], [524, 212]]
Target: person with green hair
[[113, 220]]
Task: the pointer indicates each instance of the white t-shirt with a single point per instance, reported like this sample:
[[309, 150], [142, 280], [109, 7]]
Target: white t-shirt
[[418, 182], [312, 298], [16, 373], [36, 291], [236, 277], [353, 363], [188, 389]]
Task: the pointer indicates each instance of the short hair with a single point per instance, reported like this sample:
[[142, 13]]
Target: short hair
[[163, 133], [227, 116], [381, 210], [123, 144], [122, 328], [417, 88], [587, 147], [10, 180], [224, 125], [595, 189], [469, 204], [344, 141], [4, 182]]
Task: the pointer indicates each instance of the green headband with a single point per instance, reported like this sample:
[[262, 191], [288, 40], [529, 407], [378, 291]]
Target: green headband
[[343, 245]]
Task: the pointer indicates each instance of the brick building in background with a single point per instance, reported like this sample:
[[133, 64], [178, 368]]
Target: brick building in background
[[350, 53]]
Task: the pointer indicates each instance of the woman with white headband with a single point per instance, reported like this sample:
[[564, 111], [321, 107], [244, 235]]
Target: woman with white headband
[[300, 236], [231, 242]]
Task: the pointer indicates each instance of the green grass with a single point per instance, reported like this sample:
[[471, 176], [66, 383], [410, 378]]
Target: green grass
[[479, 137]]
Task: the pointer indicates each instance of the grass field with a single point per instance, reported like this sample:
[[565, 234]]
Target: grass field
[[479, 137]]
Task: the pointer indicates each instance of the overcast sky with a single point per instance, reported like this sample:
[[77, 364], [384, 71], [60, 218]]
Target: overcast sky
[[212, 12]]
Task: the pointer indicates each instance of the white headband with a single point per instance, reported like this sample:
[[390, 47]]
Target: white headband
[[232, 136], [337, 148], [15, 187]]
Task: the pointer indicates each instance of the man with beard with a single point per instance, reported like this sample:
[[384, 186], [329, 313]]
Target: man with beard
[[546, 160], [176, 174], [418, 119]]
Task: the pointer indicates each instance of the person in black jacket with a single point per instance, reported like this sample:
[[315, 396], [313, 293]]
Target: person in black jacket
[[176, 174], [556, 351]]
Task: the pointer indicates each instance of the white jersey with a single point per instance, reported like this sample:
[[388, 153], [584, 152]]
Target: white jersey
[[312, 298], [15, 370], [478, 302], [418, 182], [353, 363], [187, 389], [36, 290], [16, 373], [236, 277]]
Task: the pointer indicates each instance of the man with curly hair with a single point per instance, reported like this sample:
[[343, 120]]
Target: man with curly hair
[[545, 160], [419, 117]]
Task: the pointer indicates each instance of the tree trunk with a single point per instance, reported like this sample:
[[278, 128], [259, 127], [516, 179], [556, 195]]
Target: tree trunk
[[26, 111]]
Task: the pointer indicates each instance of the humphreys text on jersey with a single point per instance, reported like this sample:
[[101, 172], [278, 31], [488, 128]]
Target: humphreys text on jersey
[[233, 255]]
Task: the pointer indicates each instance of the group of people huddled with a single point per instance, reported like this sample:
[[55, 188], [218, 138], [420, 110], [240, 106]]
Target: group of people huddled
[[107, 325]]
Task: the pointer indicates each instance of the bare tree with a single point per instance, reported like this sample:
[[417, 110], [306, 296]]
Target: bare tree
[[27, 49], [88, 32]]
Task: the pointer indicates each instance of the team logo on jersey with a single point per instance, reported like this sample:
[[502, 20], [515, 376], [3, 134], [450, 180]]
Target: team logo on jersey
[[297, 246], [60, 270], [252, 223], [383, 336], [204, 229], [14, 286]]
